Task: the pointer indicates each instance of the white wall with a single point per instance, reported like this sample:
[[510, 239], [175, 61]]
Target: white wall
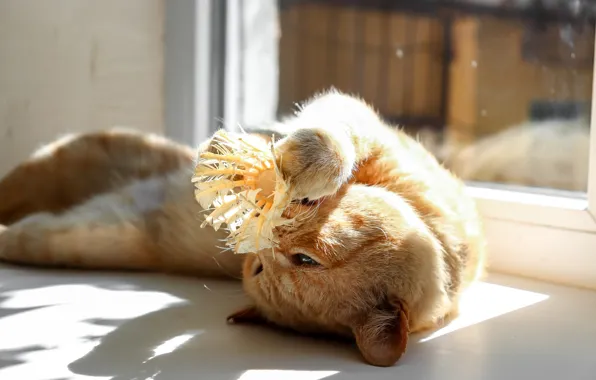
[[77, 65]]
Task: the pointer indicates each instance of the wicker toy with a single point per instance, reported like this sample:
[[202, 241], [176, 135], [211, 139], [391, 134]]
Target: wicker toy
[[242, 188]]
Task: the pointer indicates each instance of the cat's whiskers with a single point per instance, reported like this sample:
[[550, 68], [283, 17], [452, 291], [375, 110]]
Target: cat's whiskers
[[382, 230], [226, 271], [227, 293]]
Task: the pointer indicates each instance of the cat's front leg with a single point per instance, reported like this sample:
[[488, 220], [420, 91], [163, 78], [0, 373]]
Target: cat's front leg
[[315, 162], [331, 135]]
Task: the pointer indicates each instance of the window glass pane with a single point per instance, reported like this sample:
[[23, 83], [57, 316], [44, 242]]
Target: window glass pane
[[498, 90]]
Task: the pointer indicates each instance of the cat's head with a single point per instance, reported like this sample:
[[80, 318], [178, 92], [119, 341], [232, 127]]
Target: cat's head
[[356, 266]]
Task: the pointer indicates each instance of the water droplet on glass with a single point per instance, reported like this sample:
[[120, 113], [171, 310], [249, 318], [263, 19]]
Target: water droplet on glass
[[483, 113], [576, 7], [474, 64], [572, 55], [399, 53], [566, 35]]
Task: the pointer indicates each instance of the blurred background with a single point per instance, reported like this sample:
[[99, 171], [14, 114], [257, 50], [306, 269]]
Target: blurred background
[[499, 90]]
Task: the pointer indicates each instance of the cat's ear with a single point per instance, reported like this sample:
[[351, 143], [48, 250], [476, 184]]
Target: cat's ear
[[248, 315], [382, 335]]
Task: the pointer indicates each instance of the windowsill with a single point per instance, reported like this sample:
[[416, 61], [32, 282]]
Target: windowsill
[[57, 324]]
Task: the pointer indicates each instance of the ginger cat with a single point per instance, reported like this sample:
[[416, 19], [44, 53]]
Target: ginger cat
[[545, 154], [391, 242]]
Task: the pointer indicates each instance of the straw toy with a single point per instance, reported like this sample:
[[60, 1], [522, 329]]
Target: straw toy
[[242, 187]]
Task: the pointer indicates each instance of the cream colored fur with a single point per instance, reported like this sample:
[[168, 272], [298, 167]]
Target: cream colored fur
[[548, 154], [385, 239]]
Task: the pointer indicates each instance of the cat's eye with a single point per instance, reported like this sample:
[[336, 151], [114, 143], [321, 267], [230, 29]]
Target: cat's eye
[[258, 269], [301, 259], [305, 202]]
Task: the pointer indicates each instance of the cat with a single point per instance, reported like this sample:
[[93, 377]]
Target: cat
[[544, 154], [551, 153], [390, 243]]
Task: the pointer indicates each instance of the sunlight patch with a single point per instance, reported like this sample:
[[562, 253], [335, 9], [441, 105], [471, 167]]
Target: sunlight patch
[[484, 301], [89, 295], [55, 325], [172, 344], [275, 374], [68, 312]]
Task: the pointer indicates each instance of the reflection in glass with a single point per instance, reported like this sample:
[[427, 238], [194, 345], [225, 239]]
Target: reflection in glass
[[500, 91]]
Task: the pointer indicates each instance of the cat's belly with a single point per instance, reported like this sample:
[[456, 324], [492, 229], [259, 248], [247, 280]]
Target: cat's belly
[[147, 195], [184, 245]]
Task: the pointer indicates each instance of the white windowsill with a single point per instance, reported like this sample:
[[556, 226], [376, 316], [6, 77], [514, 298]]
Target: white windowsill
[[85, 325]]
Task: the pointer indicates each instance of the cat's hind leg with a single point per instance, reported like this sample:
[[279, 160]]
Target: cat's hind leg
[[74, 168], [103, 233]]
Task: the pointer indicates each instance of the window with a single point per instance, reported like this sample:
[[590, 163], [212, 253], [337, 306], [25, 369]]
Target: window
[[500, 91]]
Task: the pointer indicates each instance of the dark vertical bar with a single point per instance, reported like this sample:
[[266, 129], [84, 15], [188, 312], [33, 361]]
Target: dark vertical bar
[[385, 53], [407, 66], [360, 41], [295, 53], [218, 62], [447, 58], [287, 57], [300, 74], [332, 41]]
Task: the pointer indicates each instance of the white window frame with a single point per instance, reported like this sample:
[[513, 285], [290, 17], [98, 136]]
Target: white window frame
[[193, 74], [548, 237]]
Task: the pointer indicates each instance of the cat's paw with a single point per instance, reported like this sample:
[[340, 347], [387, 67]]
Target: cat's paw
[[314, 162]]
